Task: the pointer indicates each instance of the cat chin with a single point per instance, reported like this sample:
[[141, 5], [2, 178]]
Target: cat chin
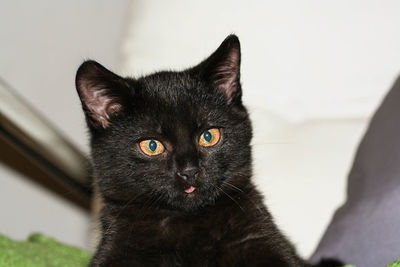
[[193, 202], [192, 207]]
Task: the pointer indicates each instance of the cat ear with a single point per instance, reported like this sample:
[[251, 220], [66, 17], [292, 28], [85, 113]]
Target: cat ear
[[102, 93], [222, 68]]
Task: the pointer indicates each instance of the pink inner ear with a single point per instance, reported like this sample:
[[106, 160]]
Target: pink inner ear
[[101, 106], [226, 74], [99, 103]]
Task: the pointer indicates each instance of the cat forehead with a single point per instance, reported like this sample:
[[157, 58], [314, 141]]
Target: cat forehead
[[160, 113], [171, 86], [173, 112], [172, 91]]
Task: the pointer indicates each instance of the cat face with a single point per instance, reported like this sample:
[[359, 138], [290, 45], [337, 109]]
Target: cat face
[[170, 139]]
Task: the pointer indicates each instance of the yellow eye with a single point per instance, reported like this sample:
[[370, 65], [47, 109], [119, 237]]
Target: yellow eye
[[151, 147], [210, 137]]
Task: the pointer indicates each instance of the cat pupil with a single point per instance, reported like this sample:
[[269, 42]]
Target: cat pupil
[[152, 145], [207, 136]]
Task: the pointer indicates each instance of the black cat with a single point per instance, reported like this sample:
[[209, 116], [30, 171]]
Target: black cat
[[172, 160]]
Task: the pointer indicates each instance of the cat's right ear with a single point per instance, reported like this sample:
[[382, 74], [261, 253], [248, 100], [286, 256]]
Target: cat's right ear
[[222, 69], [103, 93]]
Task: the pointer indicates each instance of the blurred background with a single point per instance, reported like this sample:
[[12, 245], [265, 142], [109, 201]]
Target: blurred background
[[313, 72]]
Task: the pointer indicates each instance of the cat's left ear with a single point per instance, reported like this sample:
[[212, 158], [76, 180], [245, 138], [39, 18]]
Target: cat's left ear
[[222, 69]]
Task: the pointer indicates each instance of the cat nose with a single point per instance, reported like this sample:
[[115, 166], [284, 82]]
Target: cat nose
[[189, 173]]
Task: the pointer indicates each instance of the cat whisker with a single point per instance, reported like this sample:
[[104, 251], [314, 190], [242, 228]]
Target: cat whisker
[[155, 200], [249, 199], [230, 197], [232, 186], [147, 204]]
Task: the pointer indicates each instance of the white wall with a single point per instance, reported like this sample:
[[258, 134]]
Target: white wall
[[42, 44], [312, 71]]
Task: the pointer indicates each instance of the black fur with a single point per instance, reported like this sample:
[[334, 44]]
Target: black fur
[[148, 219]]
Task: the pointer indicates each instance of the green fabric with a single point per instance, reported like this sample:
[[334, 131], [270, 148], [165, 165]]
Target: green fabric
[[40, 251], [394, 264]]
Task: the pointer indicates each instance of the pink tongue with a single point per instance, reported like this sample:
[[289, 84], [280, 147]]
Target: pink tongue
[[190, 189]]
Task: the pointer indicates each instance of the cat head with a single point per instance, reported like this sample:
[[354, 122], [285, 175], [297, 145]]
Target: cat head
[[173, 139]]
